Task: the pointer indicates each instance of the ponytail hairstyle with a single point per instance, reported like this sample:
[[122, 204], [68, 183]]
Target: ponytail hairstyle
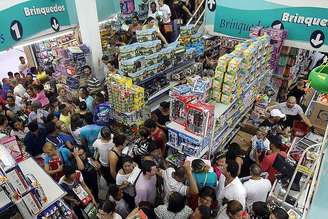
[[198, 165]]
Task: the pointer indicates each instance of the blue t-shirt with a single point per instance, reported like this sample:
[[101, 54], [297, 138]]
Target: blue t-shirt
[[64, 155], [205, 179], [90, 134]]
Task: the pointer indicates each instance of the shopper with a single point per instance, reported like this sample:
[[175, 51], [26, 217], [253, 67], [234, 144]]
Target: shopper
[[37, 114], [56, 138], [19, 130], [162, 115], [71, 179], [103, 146], [89, 169], [84, 96], [93, 84], [19, 89], [41, 96], [259, 210], [35, 139], [274, 123], [279, 213], [23, 66], [166, 22], [65, 114], [5, 129], [156, 133], [233, 189], [64, 96], [133, 27], [141, 146], [175, 208], [292, 111], [56, 159], [102, 111], [297, 90], [11, 117], [153, 11], [151, 24], [202, 175], [174, 180], [12, 105], [89, 134], [115, 157], [206, 197], [240, 156], [146, 183], [76, 125], [267, 162], [107, 211], [257, 188], [260, 144], [202, 212], [115, 194], [233, 210], [122, 178]]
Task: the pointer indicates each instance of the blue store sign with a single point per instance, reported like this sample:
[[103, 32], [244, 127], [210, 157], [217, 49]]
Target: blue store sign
[[22, 19]]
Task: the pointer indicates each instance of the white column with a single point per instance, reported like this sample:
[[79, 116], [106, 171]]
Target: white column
[[89, 28]]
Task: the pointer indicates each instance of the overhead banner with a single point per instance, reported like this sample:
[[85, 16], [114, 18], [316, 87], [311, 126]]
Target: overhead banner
[[306, 21], [22, 19]]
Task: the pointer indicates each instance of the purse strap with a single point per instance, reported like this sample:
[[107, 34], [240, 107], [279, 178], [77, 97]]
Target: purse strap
[[205, 181]]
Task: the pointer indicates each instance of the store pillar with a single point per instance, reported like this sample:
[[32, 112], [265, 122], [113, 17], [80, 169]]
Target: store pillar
[[90, 34]]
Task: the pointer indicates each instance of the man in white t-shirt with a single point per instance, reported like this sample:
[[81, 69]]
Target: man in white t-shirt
[[165, 9], [233, 189], [292, 111], [257, 188], [173, 180], [23, 66]]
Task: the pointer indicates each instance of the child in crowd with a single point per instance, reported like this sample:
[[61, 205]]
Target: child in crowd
[[260, 144], [65, 115]]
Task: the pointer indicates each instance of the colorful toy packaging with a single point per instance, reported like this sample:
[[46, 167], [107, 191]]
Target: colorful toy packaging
[[178, 107], [146, 35], [200, 118]]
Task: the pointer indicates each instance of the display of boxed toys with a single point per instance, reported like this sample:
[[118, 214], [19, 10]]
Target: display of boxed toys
[[235, 71], [123, 96], [146, 35], [200, 118], [132, 65], [178, 107]]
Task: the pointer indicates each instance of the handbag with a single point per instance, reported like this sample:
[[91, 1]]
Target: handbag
[[168, 28]]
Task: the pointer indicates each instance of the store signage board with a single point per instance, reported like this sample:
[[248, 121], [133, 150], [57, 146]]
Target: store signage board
[[23, 19], [306, 21]]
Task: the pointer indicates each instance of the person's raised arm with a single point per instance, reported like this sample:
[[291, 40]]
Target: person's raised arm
[[276, 106], [193, 188], [305, 119]]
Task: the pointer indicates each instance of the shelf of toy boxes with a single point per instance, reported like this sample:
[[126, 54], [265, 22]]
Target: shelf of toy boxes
[[245, 72], [25, 184]]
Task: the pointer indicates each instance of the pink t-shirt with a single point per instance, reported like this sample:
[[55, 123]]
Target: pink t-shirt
[[42, 98], [145, 189]]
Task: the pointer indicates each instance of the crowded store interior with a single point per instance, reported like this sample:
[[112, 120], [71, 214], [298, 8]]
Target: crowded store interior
[[163, 109]]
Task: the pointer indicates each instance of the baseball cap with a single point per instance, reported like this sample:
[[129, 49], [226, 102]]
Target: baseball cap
[[277, 113]]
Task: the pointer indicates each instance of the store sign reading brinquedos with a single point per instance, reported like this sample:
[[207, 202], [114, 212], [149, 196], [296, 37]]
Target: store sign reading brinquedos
[[23, 19], [305, 21]]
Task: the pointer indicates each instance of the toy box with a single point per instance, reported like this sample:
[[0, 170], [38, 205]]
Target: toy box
[[178, 108], [146, 35], [200, 118]]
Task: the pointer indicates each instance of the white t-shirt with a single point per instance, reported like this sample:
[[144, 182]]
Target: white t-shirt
[[103, 149], [116, 216], [165, 9], [171, 185], [22, 67], [257, 190], [254, 139], [296, 110], [19, 90], [234, 191], [120, 179]]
